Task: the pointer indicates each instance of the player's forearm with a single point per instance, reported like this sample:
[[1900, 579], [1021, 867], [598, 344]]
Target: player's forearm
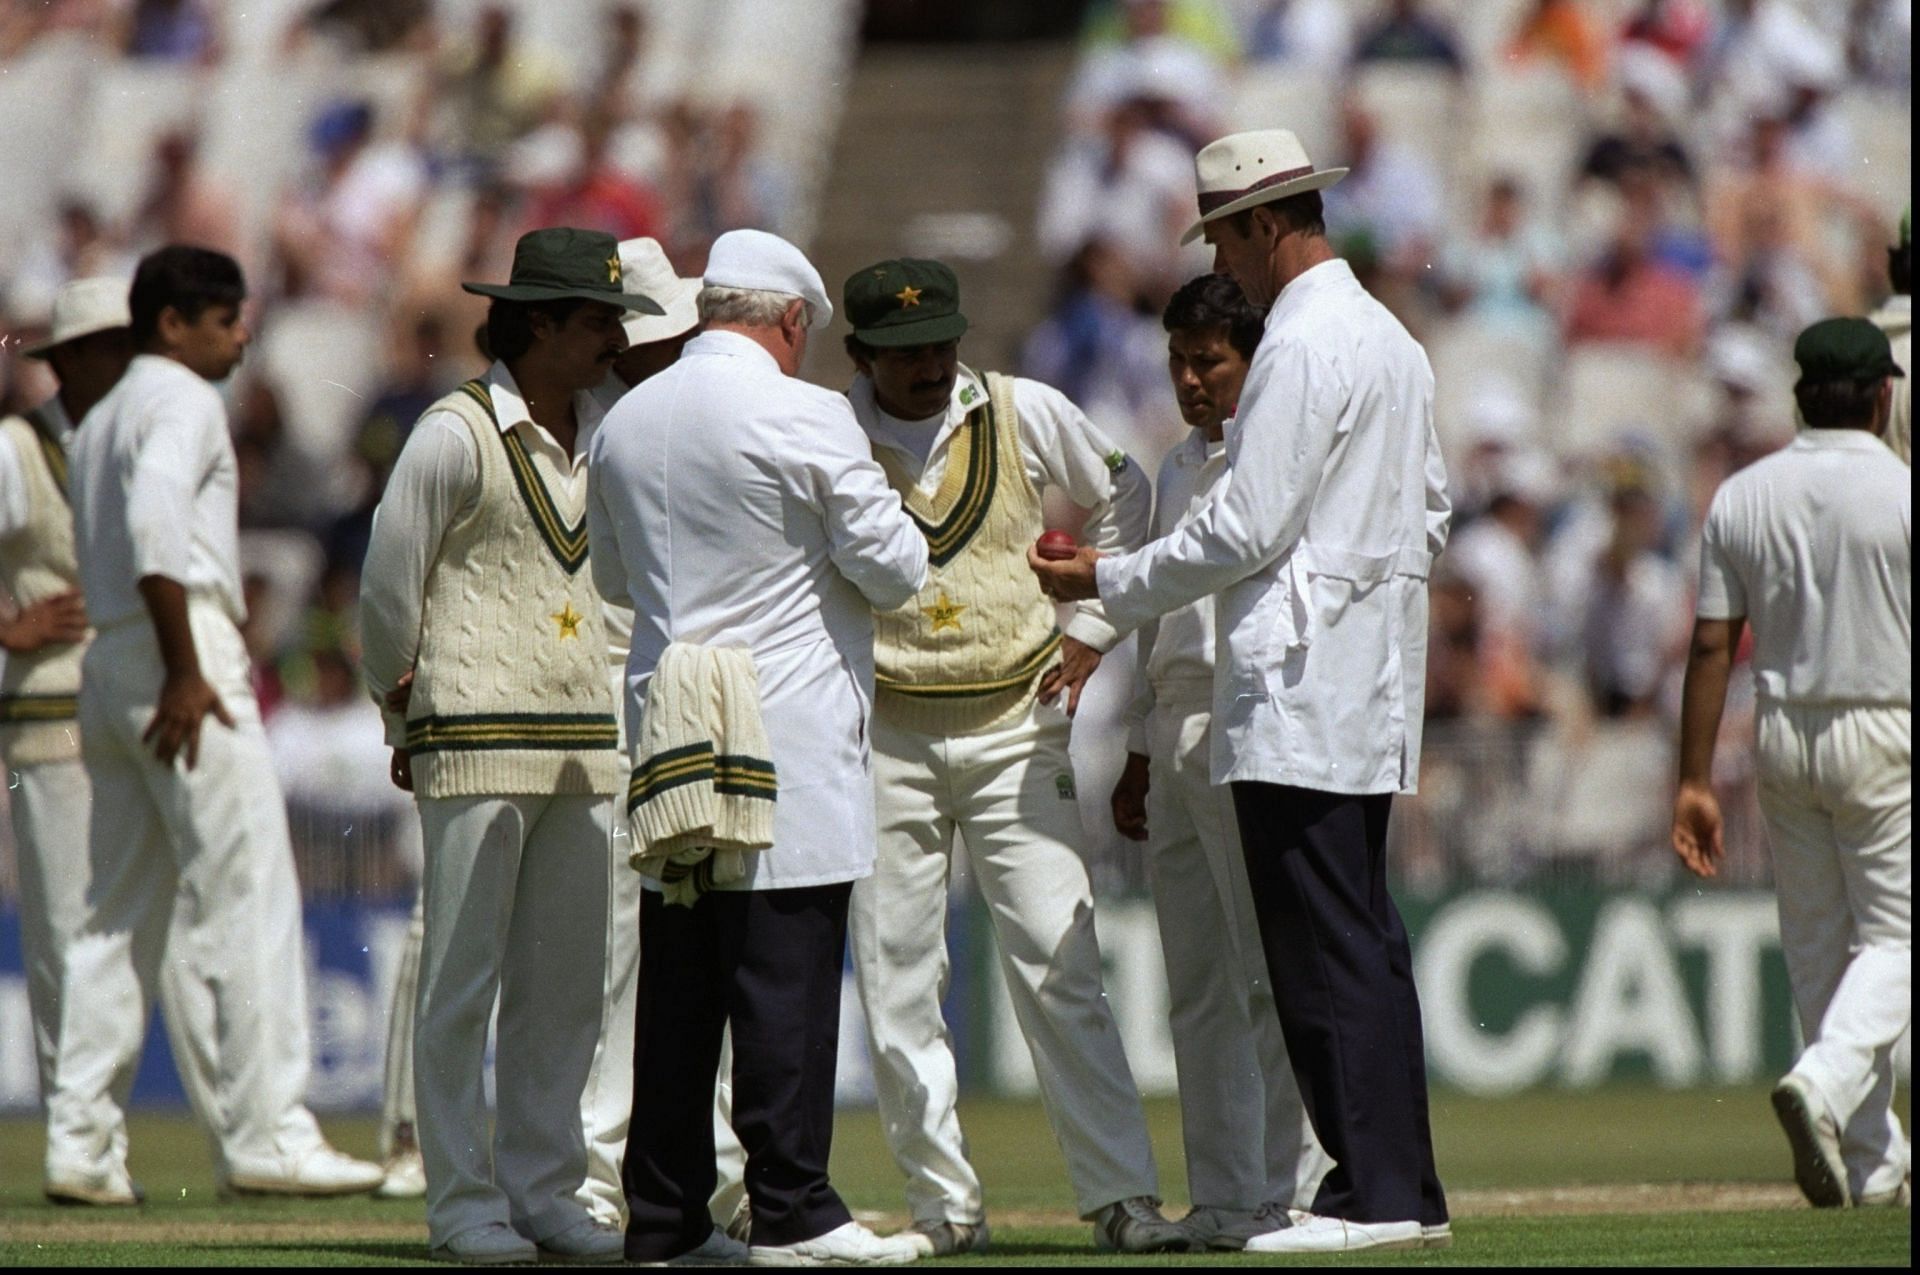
[[1704, 698], [166, 602]]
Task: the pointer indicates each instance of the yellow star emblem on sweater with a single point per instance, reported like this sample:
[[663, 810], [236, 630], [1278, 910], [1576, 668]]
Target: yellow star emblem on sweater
[[908, 297], [945, 613], [569, 621]]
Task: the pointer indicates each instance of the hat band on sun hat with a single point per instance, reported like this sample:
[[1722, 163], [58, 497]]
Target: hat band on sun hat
[[1212, 200]]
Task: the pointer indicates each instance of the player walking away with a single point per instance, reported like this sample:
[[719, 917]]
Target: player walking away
[[1251, 1154], [736, 506], [1319, 546], [1813, 546], [968, 736], [1895, 318], [476, 583], [153, 484]]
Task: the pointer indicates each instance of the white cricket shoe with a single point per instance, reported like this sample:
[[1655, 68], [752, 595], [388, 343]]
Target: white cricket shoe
[[850, 1244], [1899, 1197], [105, 1188], [1815, 1140], [1439, 1235], [1314, 1233], [718, 1249], [944, 1239], [406, 1176], [587, 1242], [320, 1171], [1136, 1225], [1228, 1230], [495, 1244]]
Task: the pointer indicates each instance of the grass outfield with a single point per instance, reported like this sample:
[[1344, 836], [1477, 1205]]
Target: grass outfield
[[1622, 1176]]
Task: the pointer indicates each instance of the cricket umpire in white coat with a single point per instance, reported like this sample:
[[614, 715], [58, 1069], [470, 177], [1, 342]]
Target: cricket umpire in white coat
[[732, 505], [1319, 547]]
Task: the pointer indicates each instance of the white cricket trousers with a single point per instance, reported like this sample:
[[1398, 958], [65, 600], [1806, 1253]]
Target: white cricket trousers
[[1009, 793], [606, 1104], [515, 894], [1245, 1130], [194, 868], [1836, 791]]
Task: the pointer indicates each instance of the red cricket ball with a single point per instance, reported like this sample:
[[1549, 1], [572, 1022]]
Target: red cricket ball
[[1057, 546]]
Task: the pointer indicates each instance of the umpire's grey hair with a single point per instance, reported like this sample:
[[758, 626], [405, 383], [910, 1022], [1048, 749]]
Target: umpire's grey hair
[[748, 307]]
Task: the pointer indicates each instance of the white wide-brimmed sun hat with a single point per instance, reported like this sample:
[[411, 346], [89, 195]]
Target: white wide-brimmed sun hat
[[644, 269], [82, 308], [1243, 170]]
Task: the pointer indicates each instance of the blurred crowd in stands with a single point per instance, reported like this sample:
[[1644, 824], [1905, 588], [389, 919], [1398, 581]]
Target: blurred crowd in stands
[[413, 145], [1606, 219]]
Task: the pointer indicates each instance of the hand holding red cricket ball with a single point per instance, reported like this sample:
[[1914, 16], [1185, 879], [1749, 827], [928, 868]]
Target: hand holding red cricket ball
[[1057, 546]]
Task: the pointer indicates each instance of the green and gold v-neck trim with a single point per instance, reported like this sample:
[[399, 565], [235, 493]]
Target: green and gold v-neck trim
[[567, 542], [951, 516]]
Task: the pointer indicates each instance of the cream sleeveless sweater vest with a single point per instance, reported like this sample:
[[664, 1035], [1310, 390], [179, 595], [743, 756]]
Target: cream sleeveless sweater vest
[[966, 655], [39, 690], [510, 692]]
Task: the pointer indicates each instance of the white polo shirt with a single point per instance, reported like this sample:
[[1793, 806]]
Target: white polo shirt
[[156, 491], [1814, 546]]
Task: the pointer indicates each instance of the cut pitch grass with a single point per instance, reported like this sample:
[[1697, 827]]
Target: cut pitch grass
[[1543, 1179]]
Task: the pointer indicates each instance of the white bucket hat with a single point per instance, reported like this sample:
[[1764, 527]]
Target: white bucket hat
[[82, 308], [1243, 170], [644, 269]]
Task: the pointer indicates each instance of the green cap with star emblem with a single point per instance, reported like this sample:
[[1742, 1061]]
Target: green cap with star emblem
[[562, 264], [905, 302], [1844, 350]]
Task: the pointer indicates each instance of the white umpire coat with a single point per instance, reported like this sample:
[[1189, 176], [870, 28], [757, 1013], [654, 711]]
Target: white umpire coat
[[1319, 547], [731, 505]]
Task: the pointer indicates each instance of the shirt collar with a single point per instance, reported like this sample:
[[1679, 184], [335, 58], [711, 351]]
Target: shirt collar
[[510, 407], [1325, 277], [729, 345], [1196, 448], [54, 413], [1844, 439], [969, 392]]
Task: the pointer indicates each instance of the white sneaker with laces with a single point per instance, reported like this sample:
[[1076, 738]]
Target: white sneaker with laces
[[1228, 1230], [1317, 1234], [587, 1242], [1815, 1140], [106, 1188], [1136, 1225], [406, 1176], [320, 1171], [850, 1244], [718, 1249], [944, 1239], [495, 1244]]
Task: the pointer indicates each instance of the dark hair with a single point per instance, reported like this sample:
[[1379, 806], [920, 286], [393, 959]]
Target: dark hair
[[1301, 212], [1838, 404], [1900, 269], [189, 280], [859, 351], [1215, 301], [510, 323]]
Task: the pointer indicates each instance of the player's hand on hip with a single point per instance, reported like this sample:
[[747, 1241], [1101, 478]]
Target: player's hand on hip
[[1077, 663], [1698, 829], [58, 619], [185, 702], [400, 769], [1066, 579], [1130, 799], [401, 695]]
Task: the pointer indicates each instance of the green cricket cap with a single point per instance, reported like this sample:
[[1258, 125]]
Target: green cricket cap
[[1844, 350], [560, 263], [905, 302]]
